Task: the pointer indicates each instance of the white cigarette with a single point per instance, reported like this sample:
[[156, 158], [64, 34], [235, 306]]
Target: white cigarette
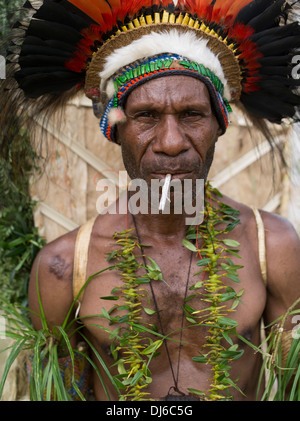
[[165, 191]]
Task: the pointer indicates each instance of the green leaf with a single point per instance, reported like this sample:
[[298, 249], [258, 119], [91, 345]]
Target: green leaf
[[226, 335], [233, 278], [138, 375], [189, 319], [105, 313], [189, 309], [190, 297], [189, 245], [123, 319], [149, 311], [227, 296], [143, 280], [231, 243], [227, 322], [235, 304], [197, 285], [232, 354], [196, 392], [234, 253], [110, 297], [154, 265], [201, 359], [203, 262], [152, 347], [231, 268]]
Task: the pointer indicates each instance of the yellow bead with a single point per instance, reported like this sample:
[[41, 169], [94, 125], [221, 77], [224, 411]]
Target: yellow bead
[[165, 17], [156, 18]]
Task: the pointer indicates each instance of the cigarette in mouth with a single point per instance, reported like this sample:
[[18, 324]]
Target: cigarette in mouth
[[165, 191]]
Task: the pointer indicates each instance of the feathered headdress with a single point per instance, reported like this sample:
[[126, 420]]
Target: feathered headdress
[[242, 49]]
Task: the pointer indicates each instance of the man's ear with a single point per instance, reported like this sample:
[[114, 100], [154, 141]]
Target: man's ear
[[117, 135], [219, 132]]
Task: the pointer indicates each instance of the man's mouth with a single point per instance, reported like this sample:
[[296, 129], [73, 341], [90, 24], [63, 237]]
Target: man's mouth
[[181, 175]]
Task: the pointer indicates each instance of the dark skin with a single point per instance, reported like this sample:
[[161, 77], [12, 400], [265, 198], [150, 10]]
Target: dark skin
[[174, 131]]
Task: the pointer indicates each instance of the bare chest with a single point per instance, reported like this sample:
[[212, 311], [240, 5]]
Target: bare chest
[[169, 308], [170, 302]]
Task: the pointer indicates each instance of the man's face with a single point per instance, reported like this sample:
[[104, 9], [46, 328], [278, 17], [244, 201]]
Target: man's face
[[170, 128]]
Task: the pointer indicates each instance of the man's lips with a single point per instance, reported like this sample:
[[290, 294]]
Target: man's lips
[[175, 174]]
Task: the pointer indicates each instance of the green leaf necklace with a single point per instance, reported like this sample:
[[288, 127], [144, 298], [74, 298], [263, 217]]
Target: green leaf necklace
[[137, 350], [175, 377]]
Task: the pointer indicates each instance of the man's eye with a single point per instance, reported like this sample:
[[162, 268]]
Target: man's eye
[[145, 114], [192, 114]]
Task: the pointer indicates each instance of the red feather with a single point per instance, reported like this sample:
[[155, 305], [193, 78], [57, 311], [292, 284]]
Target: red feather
[[93, 8], [201, 8]]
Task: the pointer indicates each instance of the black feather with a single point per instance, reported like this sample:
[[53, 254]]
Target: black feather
[[275, 70], [267, 106], [252, 10], [55, 83], [270, 35], [289, 82], [29, 50], [55, 12], [61, 46], [51, 30], [37, 60], [275, 60], [281, 46], [267, 19], [280, 91]]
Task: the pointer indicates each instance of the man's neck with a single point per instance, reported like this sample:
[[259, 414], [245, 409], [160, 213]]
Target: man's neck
[[156, 225], [161, 227]]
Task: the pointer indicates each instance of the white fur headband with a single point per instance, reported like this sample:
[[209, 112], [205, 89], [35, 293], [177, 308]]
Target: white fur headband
[[185, 44]]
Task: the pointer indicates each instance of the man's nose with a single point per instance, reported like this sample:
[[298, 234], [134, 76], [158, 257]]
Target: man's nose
[[170, 139]]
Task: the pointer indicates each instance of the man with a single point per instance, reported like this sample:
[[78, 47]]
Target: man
[[178, 131], [167, 111]]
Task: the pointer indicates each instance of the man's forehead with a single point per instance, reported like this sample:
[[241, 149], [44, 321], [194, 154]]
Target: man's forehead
[[170, 88]]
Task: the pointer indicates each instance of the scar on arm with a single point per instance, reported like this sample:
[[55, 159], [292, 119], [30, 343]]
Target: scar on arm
[[59, 267]]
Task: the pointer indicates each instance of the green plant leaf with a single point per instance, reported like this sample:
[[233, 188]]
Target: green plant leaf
[[227, 322], [201, 359], [152, 347], [231, 243], [233, 278], [189, 245], [149, 311], [203, 262]]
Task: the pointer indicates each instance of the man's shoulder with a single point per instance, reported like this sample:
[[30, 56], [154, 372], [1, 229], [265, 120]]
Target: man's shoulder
[[282, 238], [56, 259], [273, 221], [54, 263], [62, 248], [278, 229]]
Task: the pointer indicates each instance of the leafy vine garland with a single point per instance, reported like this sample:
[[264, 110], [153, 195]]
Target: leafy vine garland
[[133, 350]]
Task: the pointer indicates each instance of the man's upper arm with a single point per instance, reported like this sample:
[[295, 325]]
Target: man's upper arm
[[283, 265], [51, 277]]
